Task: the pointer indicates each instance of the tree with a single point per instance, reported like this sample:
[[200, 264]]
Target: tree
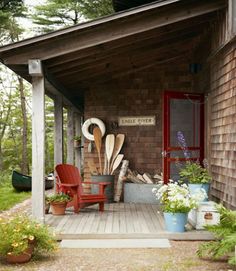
[[14, 132], [9, 11], [10, 31], [58, 13]]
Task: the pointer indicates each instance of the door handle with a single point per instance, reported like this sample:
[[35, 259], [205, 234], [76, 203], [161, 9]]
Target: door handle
[[164, 153]]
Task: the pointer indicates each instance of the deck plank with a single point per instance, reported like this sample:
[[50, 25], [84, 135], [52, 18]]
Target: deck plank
[[119, 220], [109, 210]]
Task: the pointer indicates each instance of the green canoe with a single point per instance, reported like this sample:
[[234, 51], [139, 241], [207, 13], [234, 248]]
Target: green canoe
[[23, 182]]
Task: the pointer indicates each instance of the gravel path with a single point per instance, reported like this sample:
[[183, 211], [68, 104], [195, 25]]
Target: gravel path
[[180, 257]]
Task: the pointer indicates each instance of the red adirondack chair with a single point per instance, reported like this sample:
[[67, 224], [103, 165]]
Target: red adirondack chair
[[69, 181]]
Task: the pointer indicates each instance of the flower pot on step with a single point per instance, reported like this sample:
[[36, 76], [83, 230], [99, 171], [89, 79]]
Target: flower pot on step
[[23, 257], [175, 222], [58, 208]]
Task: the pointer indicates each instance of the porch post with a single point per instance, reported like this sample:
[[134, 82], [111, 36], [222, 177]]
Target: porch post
[[58, 133], [70, 136], [232, 18], [38, 140], [78, 151]]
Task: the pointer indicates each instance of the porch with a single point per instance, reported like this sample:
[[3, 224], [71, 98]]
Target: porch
[[118, 221], [121, 65]]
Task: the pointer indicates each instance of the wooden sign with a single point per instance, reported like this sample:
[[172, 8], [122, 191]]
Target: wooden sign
[[137, 121]]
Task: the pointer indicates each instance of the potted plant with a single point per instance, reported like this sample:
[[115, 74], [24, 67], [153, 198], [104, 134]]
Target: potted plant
[[58, 203], [21, 237], [176, 202], [196, 176], [77, 141]]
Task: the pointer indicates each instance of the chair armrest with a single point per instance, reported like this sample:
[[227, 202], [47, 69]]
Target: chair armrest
[[102, 186], [100, 183], [69, 185]]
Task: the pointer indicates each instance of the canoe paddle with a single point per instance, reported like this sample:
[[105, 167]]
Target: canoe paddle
[[110, 142], [118, 145], [98, 143], [117, 162]]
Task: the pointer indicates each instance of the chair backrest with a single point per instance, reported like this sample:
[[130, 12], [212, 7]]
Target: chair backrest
[[69, 174]]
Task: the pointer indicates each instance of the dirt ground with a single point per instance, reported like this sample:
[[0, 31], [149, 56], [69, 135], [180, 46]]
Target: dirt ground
[[180, 257]]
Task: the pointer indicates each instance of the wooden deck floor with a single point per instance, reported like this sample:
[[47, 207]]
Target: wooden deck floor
[[119, 220]]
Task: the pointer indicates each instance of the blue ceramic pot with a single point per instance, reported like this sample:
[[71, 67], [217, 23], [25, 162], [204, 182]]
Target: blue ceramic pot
[[175, 222], [195, 188]]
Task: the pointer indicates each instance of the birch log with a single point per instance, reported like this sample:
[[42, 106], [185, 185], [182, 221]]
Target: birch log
[[124, 168]]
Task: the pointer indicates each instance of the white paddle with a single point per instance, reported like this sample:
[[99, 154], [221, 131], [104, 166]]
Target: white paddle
[[118, 145], [109, 144], [117, 162]]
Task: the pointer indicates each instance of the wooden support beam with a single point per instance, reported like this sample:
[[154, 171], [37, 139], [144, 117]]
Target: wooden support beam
[[111, 29], [119, 47], [232, 18], [38, 147], [58, 132], [70, 136]]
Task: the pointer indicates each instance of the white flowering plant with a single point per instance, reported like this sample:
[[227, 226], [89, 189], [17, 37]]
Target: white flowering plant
[[176, 198]]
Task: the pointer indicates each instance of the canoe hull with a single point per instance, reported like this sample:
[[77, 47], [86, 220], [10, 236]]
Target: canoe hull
[[23, 182]]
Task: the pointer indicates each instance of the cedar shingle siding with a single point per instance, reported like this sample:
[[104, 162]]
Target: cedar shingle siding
[[223, 127]]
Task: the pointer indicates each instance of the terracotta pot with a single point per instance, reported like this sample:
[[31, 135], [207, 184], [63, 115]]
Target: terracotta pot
[[58, 208], [77, 143], [23, 257]]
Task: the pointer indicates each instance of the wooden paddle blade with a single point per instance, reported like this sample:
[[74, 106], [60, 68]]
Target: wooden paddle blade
[[118, 145], [110, 142], [98, 143], [117, 162], [92, 168], [97, 138]]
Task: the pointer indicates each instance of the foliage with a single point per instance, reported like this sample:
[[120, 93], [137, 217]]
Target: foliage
[[8, 195], [9, 10], [225, 233], [17, 232], [59, 197], [55, 14], [177, 198], [194, 173], [11, 121], [77, 138]]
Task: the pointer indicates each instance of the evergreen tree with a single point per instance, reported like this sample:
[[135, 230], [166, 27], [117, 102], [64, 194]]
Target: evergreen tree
[[9, 11], [57, 14]]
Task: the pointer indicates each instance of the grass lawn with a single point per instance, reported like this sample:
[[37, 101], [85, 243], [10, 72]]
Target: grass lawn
[[8, 195]]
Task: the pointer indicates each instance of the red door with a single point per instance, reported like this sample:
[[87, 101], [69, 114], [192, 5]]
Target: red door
[[183, 125]]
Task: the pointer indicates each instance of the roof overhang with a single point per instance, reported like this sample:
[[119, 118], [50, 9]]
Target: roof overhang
[[99, 50]]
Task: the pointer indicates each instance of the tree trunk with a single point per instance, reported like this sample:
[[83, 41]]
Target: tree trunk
[[123, 171], [3, 128], [24, 162]]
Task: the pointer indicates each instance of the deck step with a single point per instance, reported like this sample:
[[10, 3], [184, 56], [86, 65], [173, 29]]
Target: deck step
[[116, 243]]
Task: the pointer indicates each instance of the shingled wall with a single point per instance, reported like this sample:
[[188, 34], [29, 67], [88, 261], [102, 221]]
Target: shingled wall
[[223, 127], [139, 94]]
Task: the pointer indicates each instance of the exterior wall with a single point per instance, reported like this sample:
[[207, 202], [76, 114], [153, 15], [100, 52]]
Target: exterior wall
[[139, 94], [223, 127], [222, 114]]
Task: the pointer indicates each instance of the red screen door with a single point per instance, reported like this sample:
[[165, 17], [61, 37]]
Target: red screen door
[[183, 118]]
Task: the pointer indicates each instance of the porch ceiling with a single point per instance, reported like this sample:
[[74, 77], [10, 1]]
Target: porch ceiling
[[113, 46]]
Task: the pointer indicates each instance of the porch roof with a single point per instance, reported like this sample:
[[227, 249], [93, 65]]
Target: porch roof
[[110, 47]]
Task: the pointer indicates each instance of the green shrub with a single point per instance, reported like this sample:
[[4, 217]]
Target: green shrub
[[5, 178], [17, 232], [225, 233]]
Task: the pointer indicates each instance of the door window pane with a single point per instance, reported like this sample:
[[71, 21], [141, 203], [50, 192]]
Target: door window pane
[[185, 117]]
